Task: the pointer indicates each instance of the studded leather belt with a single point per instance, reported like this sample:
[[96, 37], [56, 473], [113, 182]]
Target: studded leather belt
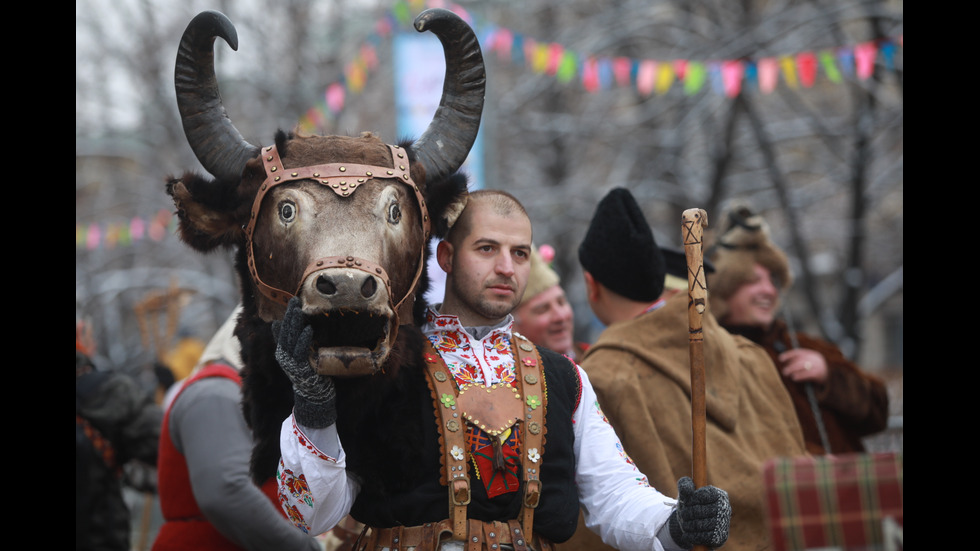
[[480, 536]]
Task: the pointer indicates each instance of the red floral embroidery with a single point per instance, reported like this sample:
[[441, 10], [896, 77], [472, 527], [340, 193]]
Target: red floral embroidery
[[301, 438]]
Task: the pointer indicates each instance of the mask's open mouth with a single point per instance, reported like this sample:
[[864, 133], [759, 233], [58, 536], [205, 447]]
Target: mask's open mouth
[[351, 343]]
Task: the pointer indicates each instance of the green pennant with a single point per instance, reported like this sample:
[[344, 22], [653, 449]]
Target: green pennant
[[695, 78], [401, 13], [567, 67], [829, 65]]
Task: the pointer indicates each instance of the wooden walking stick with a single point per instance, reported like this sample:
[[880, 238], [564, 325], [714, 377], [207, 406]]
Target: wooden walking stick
[[693, 222]]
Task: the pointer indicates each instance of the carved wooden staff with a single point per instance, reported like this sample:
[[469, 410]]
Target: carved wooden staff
[[693, 222]]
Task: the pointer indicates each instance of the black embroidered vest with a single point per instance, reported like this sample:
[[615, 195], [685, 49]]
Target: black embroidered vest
[[416, 496]]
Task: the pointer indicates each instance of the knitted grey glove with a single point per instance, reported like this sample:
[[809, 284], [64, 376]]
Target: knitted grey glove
[[702, 515], [314, 397]]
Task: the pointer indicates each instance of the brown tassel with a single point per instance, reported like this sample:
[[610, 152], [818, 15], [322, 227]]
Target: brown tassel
[[498, 455]]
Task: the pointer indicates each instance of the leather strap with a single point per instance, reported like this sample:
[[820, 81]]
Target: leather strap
[[474, 536], [528, 365], [452, 430], [516, 535], [493, 533]]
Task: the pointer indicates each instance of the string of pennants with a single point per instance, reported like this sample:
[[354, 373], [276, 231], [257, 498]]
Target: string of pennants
[[598, 73], [594, 73], [125, 233]]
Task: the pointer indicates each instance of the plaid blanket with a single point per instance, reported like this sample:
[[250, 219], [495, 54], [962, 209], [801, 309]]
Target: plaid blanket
[[851, 501]]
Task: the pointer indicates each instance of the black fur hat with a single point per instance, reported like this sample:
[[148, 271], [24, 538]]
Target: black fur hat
[[619, 249]]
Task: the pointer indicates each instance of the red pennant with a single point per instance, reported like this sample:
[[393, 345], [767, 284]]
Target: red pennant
[[590, 75], [680, 68], [621, 68], [806, 66]]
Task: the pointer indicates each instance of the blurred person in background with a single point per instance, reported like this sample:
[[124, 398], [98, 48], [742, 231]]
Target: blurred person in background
[[837, 404], [117, 424], [207, 497], [544, 315]]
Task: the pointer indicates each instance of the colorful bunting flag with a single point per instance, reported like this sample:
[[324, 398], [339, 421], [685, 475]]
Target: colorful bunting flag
[[646, 76], [806, 64], [865, 55], [731, 73], [768, 69], [695, 74]]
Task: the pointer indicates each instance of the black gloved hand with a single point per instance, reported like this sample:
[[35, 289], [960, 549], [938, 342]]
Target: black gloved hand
[[702, 515], [315, 400]]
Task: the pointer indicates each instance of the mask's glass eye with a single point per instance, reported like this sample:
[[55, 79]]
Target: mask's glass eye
[[287, 211], [394, 213]]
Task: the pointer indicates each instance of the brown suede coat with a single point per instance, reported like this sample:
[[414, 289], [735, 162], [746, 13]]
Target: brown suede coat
[[853, 404], [641, 372]]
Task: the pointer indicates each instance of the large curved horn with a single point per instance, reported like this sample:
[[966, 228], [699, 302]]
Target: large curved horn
[[444, 145], [215, 140]]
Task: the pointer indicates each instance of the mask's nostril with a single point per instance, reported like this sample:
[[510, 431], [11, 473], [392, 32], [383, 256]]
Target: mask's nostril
[[325, 285]]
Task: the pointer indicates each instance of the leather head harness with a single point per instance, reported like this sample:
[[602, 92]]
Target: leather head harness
[[344, 179]]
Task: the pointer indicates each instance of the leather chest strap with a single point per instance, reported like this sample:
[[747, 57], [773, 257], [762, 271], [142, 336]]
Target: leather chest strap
[[452, 436], [531, 379]]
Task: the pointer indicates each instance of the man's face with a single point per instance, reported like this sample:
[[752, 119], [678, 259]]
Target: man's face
[[487, 272], [756, 302], [547, 320]]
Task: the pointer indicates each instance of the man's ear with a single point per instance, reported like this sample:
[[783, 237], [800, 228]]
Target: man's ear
[[591, 287], [444, 255]]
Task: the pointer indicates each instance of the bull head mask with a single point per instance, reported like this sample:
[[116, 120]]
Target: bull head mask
[[337, 278]]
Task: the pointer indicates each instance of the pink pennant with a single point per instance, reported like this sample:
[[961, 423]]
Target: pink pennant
[[731, 76], [502, 42], [646, 77], [137, 227], [335, 97], [864, 57], [806, 66], [768, 74], [93, 237]]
